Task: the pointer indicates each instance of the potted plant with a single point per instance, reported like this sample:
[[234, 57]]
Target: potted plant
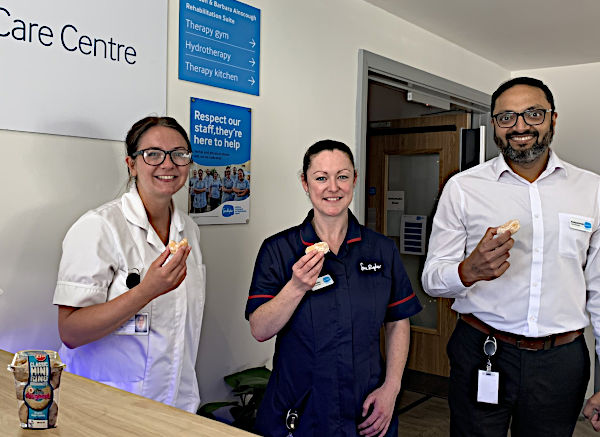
[[249, 386]]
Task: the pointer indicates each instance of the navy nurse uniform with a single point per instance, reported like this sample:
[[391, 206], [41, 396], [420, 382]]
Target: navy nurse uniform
[[327, 358]]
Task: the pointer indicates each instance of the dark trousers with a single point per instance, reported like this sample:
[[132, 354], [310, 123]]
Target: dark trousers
[[541, 391]]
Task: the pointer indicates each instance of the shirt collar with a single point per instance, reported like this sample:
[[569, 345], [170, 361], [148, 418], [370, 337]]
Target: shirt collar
[[309, 236], [134, 211], [554, 164]]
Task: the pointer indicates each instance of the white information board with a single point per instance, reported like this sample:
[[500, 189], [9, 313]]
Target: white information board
[[80, 67]]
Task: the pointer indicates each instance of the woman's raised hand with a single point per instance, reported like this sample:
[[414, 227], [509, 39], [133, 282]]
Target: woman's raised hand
[[163, 276], [306, 271]]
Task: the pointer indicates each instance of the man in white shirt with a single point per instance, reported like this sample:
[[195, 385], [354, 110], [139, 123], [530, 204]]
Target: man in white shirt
[[524, 295]]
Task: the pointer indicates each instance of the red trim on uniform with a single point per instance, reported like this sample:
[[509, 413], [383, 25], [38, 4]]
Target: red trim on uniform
[[354, 240], [304, 242], [266, 296], [401, 301]]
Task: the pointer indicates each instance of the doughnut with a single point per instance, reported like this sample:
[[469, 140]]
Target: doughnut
[[23, 413], [55, 372], [320, 247], [38, 398], [52, 415], [19, 386], [21, 371], [511, 225], [174, 247]]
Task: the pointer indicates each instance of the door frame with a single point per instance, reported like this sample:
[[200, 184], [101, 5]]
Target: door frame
[[412, 78]]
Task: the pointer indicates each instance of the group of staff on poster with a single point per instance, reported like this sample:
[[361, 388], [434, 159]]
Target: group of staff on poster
[[208, 189]]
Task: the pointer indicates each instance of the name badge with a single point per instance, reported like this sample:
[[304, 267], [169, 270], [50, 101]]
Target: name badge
[[322, 282], [137, 325], [368, 266], [580, 225]]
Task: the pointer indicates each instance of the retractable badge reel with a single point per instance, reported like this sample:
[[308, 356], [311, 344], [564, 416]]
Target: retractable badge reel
[[489, 348], [291, 421], [488, 382]]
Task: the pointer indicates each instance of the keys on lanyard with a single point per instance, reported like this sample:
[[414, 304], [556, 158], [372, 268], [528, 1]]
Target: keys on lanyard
[[489, 349]]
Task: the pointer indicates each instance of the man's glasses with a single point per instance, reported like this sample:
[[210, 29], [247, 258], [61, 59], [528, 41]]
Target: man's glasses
[[157, 156], [532, 117]]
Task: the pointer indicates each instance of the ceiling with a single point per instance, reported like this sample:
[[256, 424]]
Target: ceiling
[[515, 34]]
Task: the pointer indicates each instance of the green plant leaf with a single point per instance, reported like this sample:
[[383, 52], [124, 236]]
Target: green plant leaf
[[254, 377]]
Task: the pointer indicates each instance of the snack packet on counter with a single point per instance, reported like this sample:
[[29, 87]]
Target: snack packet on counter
[[37, 380]]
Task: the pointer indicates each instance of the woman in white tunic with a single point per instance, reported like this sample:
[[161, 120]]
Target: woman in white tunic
[[116, 265]]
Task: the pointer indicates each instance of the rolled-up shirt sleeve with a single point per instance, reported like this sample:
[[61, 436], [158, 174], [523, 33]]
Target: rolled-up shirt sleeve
[[446, 246], [88, 264]]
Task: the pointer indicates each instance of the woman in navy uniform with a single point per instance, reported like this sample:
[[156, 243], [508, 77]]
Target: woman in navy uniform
[[329, 378]]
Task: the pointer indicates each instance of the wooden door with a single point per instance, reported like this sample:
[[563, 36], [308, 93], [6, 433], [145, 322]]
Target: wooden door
[[427, 136]]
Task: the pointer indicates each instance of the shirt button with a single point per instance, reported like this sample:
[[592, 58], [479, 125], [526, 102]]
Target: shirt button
[[536, 215], [532, 318]]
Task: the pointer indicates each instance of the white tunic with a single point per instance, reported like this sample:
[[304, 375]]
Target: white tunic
[[99, 251]]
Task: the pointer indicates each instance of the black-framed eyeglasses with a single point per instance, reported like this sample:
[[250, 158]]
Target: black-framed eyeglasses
[[532, 117], [156, 157]]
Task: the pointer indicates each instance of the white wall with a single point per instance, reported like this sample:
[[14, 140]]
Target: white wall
[[309, 64]]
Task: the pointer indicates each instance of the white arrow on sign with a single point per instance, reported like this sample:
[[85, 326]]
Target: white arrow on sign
[[252, 62], [252, 43], [251, 80]]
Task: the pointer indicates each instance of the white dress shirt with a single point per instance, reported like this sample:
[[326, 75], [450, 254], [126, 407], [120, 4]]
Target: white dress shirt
[[554, 259], [99, 251]]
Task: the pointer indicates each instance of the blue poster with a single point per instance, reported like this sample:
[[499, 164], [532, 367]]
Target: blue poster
[[219, 44], [219, 184]]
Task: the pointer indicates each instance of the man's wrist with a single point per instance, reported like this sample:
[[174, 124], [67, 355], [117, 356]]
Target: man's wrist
[[467, 282]]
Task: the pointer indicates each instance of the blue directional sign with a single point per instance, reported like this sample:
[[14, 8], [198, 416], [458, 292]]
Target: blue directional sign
[[219, 44]]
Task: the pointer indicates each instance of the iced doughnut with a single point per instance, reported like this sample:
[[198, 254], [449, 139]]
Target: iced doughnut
[[174, 247], [320, 247], [511, 225]]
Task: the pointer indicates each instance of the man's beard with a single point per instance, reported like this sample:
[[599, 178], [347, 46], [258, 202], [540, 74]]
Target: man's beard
[[528, 155]]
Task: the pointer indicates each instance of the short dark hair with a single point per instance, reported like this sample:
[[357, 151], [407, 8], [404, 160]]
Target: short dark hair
[[322, 145], [140, 127], [529, 81]]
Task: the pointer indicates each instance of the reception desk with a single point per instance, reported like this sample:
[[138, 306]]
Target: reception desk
[[88, 408]]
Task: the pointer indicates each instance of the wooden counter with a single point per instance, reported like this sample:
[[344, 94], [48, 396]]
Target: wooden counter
[[88, 408]]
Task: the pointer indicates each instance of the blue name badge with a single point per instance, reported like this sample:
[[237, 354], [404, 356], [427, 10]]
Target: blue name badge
[[322, 282]]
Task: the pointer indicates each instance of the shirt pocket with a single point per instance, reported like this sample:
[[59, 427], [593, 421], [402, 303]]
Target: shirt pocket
[[573, 243]]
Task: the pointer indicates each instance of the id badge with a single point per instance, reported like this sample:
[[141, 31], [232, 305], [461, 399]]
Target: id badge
[[322, 282], [488, 384], [137, 325]]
